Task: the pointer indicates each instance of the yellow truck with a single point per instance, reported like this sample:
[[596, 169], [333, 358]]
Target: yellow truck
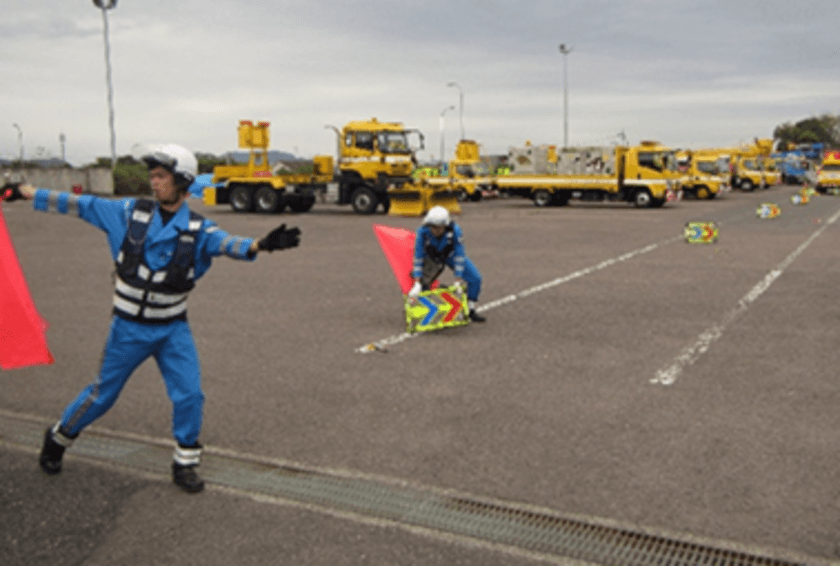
[[828, 174], [254, 186], [705, 175], [372, 156], [645, 175]]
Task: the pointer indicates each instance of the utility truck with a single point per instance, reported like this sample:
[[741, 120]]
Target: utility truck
[[828, 174], [372, 156], [645, 175], [705, 175]]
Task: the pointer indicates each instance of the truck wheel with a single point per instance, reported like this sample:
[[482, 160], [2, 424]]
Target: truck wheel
[[241, 199], [364, 200], [542, 197], [266, 200], [642, 198], [746, 185], [702, 193], [462, 195], [302, 204]]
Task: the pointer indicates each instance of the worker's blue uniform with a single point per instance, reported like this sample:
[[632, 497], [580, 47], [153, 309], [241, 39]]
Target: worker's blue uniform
[[448, 250], [157, 265]]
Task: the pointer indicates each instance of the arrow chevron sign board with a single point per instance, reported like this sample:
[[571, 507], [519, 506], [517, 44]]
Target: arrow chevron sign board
[[701, 233], [444, 307]]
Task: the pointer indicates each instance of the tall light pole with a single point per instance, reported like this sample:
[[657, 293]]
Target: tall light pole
[[20, 143], [565, 51], [106, 5], [461, 98], [442, 119]]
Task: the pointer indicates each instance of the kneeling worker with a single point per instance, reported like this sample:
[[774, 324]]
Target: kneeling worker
[[160, 249], [440, 242]]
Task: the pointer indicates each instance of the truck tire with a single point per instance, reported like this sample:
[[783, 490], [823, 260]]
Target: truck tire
[[702, 192], [302, 204], [542, 198], [241, 198], [642, 198], [364, 200], [746, 185], [267, 200]]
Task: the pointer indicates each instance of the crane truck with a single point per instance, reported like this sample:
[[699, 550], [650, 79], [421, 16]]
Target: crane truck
[[704, 174], [372, 156]]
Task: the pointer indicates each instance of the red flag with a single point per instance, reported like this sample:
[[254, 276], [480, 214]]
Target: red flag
[[23, 340], [398, 246]]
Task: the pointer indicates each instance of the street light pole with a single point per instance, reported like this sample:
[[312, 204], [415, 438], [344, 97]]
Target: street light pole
[[565, 51], [20, 143], [461, 99], [106, 5], [442, 119]]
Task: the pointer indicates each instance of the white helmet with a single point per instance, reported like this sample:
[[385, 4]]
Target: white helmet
[[437, 216], [176, 159]]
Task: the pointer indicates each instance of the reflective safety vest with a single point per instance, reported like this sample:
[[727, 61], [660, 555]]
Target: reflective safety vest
[[144, 295]]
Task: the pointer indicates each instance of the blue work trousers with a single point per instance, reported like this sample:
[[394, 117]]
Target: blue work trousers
[[471, 277], [129, 344]]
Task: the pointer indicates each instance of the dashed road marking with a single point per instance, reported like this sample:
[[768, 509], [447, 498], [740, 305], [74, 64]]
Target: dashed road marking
[[668, 375]]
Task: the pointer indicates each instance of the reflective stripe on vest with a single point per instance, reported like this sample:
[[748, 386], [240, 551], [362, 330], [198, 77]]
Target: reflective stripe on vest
[[144, 295]]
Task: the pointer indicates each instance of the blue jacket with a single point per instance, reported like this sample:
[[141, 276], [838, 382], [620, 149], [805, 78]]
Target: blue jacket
[[449, 248], [112, 216]]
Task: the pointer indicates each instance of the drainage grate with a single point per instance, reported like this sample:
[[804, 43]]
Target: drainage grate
[[535, 531]]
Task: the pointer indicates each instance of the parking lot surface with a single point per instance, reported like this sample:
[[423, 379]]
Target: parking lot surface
[[624, 377]]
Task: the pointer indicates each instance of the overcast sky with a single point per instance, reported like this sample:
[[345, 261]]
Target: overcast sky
[[687, 73]]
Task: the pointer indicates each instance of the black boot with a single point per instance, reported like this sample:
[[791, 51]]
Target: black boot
[[475, 317], [187, 478], [51, 454]]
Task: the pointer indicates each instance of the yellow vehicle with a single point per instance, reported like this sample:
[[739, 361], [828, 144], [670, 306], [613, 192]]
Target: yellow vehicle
[[372, 156], [254, 186], [704, 174], [464, 180], [466, 176], [828, 174], [645, 175], [748, 172]]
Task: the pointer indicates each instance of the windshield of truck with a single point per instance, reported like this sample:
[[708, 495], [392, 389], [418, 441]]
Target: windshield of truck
[[393, 142], [708, 167], [751, 164], [658, 160]]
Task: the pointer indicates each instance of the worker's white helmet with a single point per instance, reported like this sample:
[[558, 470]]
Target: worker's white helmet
[[437, 216], [176, 159]]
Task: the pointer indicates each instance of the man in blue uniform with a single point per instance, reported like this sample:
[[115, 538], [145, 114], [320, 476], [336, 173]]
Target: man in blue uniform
[[160, 248], [440, 242]]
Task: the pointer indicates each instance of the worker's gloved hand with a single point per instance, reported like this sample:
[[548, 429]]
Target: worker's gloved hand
[[416, 289], [280, 239], [10, 192]]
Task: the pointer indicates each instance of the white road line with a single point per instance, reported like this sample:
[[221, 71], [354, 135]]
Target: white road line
[[690, 354], [381, 345]]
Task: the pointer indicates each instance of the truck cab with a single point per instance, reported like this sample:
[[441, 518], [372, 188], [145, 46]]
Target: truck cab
[[373, 156], [704, 175], [650, 172], [748, 173], [828, 174]]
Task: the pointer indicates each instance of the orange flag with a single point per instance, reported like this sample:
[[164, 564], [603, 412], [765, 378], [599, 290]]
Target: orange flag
[[23, 340]]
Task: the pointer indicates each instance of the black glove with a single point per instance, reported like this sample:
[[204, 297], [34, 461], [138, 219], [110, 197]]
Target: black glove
[[10, 192], [280, 239]]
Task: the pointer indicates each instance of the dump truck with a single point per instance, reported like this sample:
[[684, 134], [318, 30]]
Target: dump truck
[[704, 174], [645, 175], [254, 186]]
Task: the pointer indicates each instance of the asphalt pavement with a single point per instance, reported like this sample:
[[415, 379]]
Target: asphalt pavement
[[625, 379]]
